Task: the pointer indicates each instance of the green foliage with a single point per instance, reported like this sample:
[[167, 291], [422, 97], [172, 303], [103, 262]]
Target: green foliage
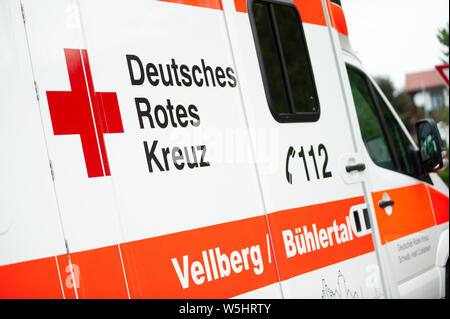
[[401, 101], [440, 114], [387, 86], [444, 176], [443, 39]]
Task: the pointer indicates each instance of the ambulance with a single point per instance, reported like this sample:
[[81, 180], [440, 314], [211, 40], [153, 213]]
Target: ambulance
[[166, 149]]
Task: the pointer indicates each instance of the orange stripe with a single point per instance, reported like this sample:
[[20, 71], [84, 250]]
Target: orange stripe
[[440, 205], [211, 4], [240, 5], [412, 212], [153, 275], [322, 216], [66, 276], [339, 22], [150, 263], [310, 11], [31, 279], [151, 272], [98, 274]]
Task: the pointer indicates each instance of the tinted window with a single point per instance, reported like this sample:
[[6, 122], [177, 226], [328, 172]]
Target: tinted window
[[400, 142], [278, 93], [371, 130], [385, 140], [287, 71], [295, 55]]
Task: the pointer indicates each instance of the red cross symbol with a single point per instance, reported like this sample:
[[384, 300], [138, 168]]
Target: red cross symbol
[[85, 112]]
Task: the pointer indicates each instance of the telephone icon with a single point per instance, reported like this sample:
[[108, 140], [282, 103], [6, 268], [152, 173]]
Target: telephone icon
[[290, 153]]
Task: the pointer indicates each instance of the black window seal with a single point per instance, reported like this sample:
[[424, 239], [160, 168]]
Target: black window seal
[[293, 117]]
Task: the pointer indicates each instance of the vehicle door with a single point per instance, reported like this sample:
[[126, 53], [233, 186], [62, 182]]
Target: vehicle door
[[411, 208]]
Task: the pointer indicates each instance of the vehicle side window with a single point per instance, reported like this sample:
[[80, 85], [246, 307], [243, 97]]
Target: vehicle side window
[[385, 141], [371, 130], [284, 61], [401, 144]]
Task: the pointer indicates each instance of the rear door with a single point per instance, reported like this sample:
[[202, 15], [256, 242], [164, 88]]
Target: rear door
[[32, 252], [411, 211], [153, 169], [76, 148]]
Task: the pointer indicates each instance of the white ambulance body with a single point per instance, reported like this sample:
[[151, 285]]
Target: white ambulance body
[[206, 149]]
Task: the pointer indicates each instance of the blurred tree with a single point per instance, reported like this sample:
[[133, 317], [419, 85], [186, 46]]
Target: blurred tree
[[387, 86], [406, 110], [401, 102], [440, 114], [443, 39]]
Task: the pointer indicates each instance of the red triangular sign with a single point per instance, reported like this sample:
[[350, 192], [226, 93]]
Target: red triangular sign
[[443, 72]]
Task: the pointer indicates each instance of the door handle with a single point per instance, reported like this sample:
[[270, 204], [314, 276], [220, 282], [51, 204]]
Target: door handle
[[355, 167], [385, 203]]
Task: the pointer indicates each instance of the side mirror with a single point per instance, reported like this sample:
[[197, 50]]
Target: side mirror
[[433, 155]]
